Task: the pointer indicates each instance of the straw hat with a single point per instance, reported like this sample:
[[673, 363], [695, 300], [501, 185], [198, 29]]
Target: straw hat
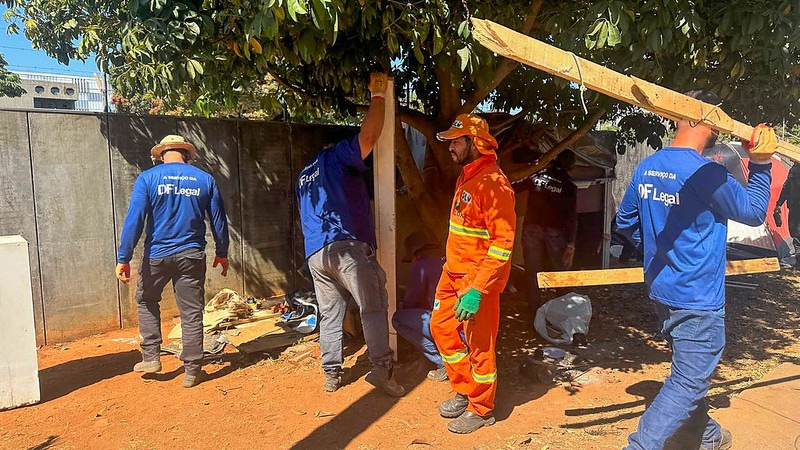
[[173, 142]]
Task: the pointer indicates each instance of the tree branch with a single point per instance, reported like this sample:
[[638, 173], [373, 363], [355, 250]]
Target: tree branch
[[449, 95], [505, 67], [545, 159], [418, 120]]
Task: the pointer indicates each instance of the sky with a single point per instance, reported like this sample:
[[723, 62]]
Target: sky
[[21, 56]]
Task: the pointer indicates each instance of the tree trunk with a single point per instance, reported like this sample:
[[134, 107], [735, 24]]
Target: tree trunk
[[545, 159], [431, 212]]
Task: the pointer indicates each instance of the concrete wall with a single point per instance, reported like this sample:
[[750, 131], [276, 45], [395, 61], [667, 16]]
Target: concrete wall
[[71, 175]]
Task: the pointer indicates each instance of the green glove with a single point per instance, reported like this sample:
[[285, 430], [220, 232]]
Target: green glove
[[467, 306]]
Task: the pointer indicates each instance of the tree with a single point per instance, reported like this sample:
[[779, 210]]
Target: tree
[[321, 51], [10, 85]]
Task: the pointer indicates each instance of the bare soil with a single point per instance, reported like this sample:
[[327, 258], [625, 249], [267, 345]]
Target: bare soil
[[91, 399]]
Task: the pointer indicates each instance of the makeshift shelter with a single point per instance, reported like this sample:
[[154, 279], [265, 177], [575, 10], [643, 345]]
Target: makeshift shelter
[[769, 239]]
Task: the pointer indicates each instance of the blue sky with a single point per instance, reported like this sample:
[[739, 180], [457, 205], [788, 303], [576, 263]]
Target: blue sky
[[21, 56]]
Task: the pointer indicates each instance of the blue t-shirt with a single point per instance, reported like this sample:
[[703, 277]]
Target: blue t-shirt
[[170, 202], [677, 207], [333, 198]]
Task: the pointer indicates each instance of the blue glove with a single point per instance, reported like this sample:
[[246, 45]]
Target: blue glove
[[467, 306]]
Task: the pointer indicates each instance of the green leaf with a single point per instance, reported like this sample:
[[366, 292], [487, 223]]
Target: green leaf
[[437, 41], [195, 64], [603, 35], [418, 54], [463, 57], [613, 36], [463, 29], [392, 43], [70, 24], [295, 7]]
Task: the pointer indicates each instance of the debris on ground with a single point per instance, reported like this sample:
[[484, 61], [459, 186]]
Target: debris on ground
[[253, 325]]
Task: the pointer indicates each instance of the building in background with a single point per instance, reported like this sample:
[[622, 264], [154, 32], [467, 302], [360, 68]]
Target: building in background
[[48, 91]]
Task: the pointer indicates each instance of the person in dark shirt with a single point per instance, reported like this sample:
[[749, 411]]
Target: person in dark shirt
[[412, 320], [790, 194], [551, 221]]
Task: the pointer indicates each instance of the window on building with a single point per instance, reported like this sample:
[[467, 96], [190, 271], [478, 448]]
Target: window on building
[[54, 90], [70, 91], [39, 89]]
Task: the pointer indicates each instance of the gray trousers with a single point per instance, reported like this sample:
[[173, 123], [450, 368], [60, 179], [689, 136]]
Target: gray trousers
[[348, 269], [187, 271]]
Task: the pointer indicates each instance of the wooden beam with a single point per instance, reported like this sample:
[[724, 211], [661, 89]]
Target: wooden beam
[[385, 220], [579, 278], [652, 97]]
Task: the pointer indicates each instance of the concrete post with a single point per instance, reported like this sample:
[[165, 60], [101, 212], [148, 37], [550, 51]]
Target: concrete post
[[19, 369]]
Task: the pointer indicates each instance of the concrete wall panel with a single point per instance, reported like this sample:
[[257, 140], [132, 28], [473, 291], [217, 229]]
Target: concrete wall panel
[[72, 191], [218, 154], [266, 187], [130, 141], [16, 210]]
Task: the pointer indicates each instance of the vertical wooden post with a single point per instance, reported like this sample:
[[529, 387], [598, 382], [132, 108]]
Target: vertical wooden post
[[609, 213], [385, 220]]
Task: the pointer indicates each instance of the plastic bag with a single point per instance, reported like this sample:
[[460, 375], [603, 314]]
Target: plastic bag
[[568, 315]]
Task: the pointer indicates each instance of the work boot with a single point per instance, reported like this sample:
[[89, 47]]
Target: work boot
[[439, 374], [454, 407], [332, 382], [468, 422], [153, 366], [382, 378], [193, 379], [725, 442]]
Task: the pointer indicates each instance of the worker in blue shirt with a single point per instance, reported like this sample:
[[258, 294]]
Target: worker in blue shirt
[[339, 232], [169, 203], [412, 320], [676, 208]]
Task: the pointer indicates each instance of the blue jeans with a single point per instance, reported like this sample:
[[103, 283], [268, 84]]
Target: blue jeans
[[414, 325], [697, 339]]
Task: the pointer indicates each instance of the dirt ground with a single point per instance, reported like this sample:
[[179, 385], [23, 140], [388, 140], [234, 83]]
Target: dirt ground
[[91, 399]]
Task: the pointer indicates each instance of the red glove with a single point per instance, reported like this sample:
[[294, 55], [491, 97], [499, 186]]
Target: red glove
[[124, 272], [218, 260]]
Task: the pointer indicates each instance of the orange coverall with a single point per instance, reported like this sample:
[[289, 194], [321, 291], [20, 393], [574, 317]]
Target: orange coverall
[[482, 223]]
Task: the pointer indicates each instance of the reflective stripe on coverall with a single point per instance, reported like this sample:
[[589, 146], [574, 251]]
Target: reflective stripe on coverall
[[482, 223]]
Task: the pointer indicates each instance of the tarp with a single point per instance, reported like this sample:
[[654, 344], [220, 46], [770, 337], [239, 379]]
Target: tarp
[[769, 239]]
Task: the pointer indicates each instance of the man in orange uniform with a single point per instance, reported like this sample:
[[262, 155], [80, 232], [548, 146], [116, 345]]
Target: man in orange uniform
[[482, 222]]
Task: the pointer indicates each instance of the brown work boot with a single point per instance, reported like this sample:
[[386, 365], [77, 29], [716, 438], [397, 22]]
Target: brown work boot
[[454, 407], [725, 442], [439, 374], [383, 378], [468, 422], [153, 366], [193, 379], [332, 382]]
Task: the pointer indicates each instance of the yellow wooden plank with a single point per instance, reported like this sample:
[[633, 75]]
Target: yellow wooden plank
[[652, 97], [577, 278]]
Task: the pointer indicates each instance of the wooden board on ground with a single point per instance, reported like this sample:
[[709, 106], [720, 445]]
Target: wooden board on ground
[[252, 331], [212, 324], [275, 340], [579, 278], [659, 100]]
